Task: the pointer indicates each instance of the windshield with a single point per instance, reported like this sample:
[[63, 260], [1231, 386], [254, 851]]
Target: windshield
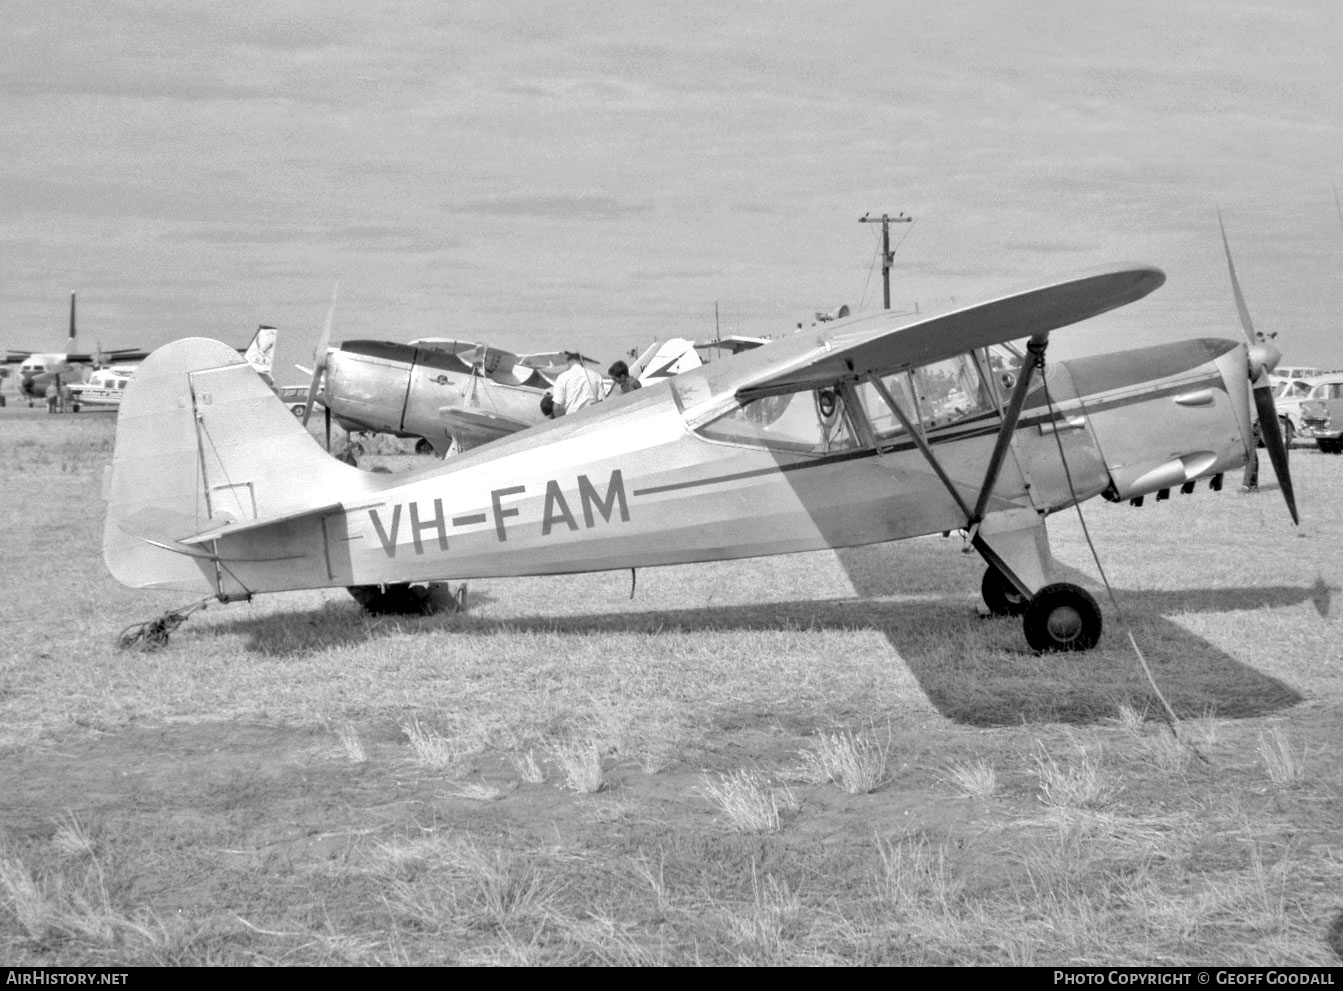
[[810, 422]]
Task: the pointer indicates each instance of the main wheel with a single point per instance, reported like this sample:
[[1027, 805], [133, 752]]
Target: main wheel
[[422, 446], [1000, 595], [1062, 617], [399, 600]]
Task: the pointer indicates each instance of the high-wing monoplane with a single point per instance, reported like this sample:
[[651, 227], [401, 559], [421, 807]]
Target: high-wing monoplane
[[38, 370], [859, 431]]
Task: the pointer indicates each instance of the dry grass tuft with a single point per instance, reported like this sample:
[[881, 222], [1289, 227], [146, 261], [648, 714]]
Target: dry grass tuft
[[440, 752], [1284, 765], [975, 779], [1131, 719], [1077, 784], [528, 769], [1169, 754], [579, 760], [480, 791], [915, 875], [351, 744], [855, 763], [71, 839], [751, 802], [71, 908]]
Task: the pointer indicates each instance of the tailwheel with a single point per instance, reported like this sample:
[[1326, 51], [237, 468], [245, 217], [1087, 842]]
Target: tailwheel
[[1000, 595], [1062, 617]]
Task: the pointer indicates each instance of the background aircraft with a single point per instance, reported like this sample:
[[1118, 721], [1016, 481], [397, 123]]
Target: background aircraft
[[38, 370], [438, 391], [856, 432], [106, 386]]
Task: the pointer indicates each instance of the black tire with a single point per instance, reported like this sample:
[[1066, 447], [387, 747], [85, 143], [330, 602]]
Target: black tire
[[422, 446], [1062, 617], [1288, 431], [393, 600], [1000, 595], [297, 410]]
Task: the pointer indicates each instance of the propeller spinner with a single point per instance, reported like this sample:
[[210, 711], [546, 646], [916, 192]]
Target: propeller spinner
[[1263, 359]]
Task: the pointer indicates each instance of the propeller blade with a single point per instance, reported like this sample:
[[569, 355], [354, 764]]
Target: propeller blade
[[1276, 446], [319, 358], [327, 411], [1246, 324]]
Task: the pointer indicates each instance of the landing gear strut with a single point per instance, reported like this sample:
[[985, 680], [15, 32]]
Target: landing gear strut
[[1062, 617]]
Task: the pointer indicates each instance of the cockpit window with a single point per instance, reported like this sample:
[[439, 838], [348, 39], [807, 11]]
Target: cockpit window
[[951, 390], [810, 422], [885, 423]]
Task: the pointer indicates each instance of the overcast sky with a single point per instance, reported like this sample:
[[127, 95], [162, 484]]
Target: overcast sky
[[600, 174]]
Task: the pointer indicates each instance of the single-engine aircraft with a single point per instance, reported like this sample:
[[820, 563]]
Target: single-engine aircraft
[[436, 390], [38, 370], [859, 431]]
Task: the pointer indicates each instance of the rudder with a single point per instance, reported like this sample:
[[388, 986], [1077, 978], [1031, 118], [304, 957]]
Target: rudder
[[201, 440]]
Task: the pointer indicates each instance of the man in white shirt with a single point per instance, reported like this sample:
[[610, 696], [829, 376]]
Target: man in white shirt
[[577, 386]]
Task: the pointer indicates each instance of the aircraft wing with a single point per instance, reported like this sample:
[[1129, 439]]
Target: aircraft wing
[[734, 344], [16, 357], [543, 360], [472, 425], [874, 344], [109, 355]]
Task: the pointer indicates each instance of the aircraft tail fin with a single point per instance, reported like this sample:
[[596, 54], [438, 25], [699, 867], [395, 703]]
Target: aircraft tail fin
[[203, 442], [671, 357], [260, 353]]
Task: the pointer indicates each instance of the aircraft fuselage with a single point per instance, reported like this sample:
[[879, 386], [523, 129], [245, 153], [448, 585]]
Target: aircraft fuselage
[[663, 481]]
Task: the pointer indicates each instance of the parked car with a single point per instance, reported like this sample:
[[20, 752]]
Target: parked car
[[1296, 372], [1295, 392], [1322, 417], [296, 397]]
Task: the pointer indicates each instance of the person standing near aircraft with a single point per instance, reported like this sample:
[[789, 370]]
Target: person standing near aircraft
[[620, 379], [577, 386]]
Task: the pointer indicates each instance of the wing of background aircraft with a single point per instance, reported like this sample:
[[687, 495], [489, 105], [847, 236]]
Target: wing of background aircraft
[[473, 426], [733, 344]]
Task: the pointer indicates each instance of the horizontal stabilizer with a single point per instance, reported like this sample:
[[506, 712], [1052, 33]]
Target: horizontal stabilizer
[[229, 528]]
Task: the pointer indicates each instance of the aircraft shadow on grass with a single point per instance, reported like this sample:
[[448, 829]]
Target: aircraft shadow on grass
[[994, 681]]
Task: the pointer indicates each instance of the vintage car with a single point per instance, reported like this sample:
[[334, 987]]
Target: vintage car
[[1322, 417], [1292, 394]]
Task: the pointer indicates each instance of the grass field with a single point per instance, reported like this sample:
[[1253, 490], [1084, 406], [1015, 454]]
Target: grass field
[[811, 759]]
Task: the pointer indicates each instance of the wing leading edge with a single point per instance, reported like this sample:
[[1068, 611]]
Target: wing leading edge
[[872, 344]]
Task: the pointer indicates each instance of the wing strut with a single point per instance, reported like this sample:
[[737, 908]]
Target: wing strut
[[973, 517], [1035, 347], [917, 435]]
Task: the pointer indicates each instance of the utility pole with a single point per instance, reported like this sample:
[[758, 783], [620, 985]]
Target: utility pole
[[886, 254]]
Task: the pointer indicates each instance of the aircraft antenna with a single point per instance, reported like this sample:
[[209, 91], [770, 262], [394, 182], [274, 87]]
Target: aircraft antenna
[[887, 255]]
